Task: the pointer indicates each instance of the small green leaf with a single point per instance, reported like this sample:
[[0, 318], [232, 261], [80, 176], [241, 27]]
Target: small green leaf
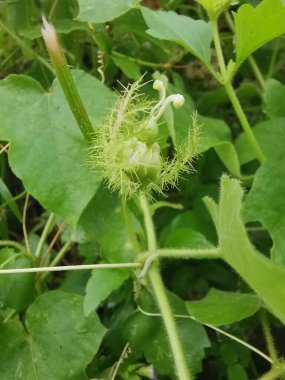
[[99, 12], [216, 134], [274, 99], [101, 284], [7, 197], [128, 67], [194, 35], [47, 150], [60, 342], [236, 372], [256, 26], [221, 308]]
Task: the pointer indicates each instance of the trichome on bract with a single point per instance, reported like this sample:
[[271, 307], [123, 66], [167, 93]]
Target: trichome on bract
[[126, 151]]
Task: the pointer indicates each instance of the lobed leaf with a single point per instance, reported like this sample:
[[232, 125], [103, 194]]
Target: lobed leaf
[[264, 276], [265, 202], [256, 26], [194, 35]]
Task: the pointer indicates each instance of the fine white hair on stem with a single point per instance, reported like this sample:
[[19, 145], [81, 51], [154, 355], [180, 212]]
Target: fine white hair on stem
[[49, 35]]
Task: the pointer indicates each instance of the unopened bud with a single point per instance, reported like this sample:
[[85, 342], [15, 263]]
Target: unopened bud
[[178, 101], [158, 85], [51, 40]]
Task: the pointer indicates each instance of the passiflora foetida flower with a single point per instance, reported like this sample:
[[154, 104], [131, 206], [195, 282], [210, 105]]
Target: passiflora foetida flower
[[125, 149]]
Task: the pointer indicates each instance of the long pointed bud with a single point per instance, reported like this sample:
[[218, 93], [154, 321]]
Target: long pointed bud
[[65, 78]]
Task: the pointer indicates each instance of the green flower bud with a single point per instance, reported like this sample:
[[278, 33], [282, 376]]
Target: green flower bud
[[149, 132], [143, 163]]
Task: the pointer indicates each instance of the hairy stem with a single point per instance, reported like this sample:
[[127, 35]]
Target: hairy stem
[[66, 80], [177, 253], [233, 97], [274, 373], [182, 370], [269, 339]]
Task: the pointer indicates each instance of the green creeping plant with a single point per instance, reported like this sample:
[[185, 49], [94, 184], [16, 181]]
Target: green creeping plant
[[126, 149]]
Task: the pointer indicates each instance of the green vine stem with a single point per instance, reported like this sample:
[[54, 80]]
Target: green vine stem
[[47, 229], [232, 95], [154, 276], [66, 81], [274, 373], [181, 253], [269, 339]]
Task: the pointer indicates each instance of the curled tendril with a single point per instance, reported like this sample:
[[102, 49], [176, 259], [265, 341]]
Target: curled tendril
[[125, 149]]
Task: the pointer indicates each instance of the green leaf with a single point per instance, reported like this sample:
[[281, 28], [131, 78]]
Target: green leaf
[[265, 277], [274, 99], [59, 344], [236, 372], [216, 134], [47, 150], [101, 284], [21, 14], [102, 219], [146, 334], [7, 197], [99, 12], [61, 26], [264, 202], [221, 308], [256, 26], [16, 290], [194, 35], [185, 238], [128, 67]]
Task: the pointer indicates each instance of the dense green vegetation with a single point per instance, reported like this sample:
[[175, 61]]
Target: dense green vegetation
[[142, 189]]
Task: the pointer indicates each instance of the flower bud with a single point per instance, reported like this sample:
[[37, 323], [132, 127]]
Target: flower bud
[[143, 162], [52, 43], [149, 132], [158, 85], [178, 101]]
